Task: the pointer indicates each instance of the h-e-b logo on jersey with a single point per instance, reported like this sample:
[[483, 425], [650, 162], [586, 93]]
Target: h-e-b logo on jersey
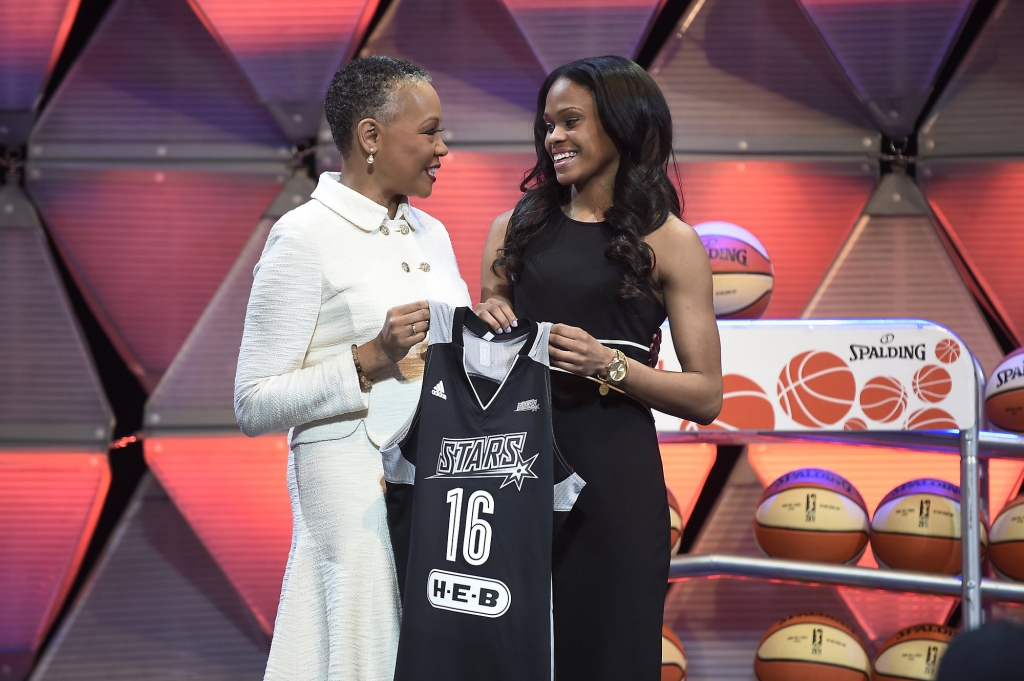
[[491, 456]]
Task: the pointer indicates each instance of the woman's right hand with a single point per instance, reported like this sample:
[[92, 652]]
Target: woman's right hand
[[498, 314], [404, 327]]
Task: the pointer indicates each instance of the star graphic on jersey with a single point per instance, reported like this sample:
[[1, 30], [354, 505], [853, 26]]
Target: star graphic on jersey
[[519, 471]]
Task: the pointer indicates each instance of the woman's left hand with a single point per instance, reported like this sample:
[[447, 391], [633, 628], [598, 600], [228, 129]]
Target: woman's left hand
[[576, 351]]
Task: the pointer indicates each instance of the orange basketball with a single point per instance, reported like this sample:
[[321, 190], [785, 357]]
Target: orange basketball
[[883, 399], [816, 389], [745, 406], [932, 383], [811, 646], [913, 653], [1007, 537], [812, 514], [676, 516], [1004, 393], [741, 272], [917, 527], [673, 656], [855, 424], [947, 350], [931, 418]]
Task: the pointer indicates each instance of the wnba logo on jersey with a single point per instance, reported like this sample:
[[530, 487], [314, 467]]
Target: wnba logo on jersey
[[492, 456]]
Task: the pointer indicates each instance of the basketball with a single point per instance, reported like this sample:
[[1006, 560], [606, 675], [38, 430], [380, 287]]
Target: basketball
[[913, 653], [1006, 539], [883, 399], [932, 383], [676, 515], [673, 657], [745, 406], [931, 418], [816, 389], [1004, 394], [917, 527], [855, 424], [812, 514], [811, 646], [947, 351], [741, 271]]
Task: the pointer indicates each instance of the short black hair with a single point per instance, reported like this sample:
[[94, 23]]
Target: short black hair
[[365, 88]]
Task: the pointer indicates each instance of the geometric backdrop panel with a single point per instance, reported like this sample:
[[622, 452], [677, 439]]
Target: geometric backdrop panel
[[801, 212], [148, 247], [982, 204]]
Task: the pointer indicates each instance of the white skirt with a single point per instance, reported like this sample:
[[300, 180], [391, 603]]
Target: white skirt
[[339, 614]]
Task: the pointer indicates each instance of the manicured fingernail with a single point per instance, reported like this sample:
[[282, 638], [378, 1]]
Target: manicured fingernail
[[515, 322], [509, 329], [499, 331]]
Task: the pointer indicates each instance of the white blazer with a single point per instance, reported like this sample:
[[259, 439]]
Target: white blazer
[[329, 273]]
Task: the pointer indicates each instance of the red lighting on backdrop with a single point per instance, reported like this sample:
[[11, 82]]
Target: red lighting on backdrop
[[686, 469], [233, 493], [49, 505]]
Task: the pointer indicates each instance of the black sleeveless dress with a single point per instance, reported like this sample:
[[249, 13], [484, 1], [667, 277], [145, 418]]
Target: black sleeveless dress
[[610, 559]]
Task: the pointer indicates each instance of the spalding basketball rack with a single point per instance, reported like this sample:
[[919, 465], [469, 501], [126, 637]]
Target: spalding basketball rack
[[790, 363]]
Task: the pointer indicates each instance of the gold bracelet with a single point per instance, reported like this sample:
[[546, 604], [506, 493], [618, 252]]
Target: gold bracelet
[[365, 384]]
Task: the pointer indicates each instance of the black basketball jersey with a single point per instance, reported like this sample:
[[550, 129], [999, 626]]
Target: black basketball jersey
[[475, 485]]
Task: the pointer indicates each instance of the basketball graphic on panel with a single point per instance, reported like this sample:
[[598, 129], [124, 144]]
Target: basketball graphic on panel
[[673, 656], [742, 274], [883, 399], [917, 527], [855, 424], [932, 383], [913, 653], [1004, 393], [931, 418], [676, 517], [1007, 540], [745, 406], [812, 514], [811, 646], [816, 389], [947, 350]]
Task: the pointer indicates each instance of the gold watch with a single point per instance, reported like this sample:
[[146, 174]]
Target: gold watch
[[617, 369]]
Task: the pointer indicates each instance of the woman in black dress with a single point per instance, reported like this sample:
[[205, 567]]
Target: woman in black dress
[[597, 245]]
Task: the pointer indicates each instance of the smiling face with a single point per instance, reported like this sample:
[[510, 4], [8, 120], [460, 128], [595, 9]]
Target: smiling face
[[576, 140], [409, 149]]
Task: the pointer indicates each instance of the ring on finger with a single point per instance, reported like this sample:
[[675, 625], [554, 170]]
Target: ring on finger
[[414, 329]]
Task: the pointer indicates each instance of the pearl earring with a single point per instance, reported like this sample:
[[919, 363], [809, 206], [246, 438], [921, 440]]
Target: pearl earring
[[369, 159]]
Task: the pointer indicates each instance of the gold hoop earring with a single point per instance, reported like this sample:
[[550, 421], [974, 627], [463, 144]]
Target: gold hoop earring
[[369, 159]]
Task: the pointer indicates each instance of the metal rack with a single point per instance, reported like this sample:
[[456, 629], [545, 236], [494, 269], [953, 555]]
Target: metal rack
[[975, 447]]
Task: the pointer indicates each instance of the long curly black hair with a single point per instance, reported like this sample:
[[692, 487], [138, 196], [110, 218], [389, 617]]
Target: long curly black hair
[[636, 117]]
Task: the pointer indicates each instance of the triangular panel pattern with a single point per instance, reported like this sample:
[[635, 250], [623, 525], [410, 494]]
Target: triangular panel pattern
[[49, 505], [979, 112], [232, 491], [31, 36], [896, 267], [598, 27], [154, 84], [486, 74], [157, 607], [720, 621], [801, 212], [150, 247], [982, 202], [754, 76], [49, 391], [894, 68], [289, 51], [198, 389], [472, 189]]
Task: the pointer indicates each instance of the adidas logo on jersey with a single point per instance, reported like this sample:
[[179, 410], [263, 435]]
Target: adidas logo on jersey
[[491, 456], [438, 390], [528, 405]]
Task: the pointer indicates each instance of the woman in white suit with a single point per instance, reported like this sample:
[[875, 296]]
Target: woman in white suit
[[316, 359]]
